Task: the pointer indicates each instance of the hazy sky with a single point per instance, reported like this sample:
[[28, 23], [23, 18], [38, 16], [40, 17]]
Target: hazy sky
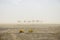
[[13, 10]]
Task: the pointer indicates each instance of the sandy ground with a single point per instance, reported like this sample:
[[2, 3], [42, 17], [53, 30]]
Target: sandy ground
[[40, 32]]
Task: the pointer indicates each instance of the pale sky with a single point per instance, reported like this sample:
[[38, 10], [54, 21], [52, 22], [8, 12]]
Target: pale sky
[[13, 10]]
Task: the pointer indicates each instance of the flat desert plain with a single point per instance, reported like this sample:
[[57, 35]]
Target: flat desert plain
[[30, 32]]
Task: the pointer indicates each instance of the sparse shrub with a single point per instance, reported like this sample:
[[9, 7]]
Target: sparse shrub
[[21, 31], [30, 31]]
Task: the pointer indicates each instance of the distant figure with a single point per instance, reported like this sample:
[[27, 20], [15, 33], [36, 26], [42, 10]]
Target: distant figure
[[18, 21], [37, 20]]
